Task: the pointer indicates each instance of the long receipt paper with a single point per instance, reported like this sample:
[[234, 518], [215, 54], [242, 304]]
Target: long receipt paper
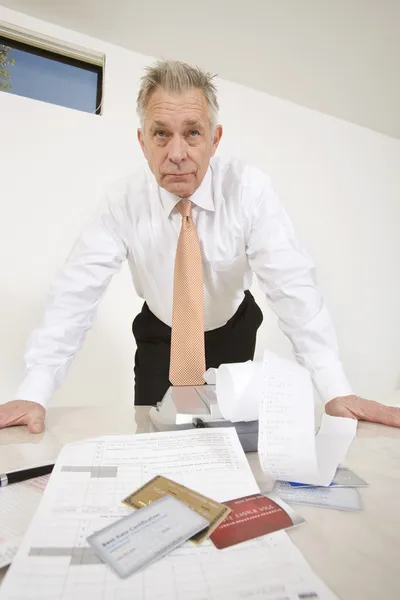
[[279, 393], [84, 495]]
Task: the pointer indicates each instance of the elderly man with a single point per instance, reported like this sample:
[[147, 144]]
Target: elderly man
[[193, 229]]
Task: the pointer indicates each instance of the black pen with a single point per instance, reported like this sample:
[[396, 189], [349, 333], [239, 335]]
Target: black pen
[[24, 474]]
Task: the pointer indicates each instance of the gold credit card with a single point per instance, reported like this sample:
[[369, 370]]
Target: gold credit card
[[160, 486]]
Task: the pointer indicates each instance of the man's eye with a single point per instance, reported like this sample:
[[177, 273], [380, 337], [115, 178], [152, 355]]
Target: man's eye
[[194, 132], [160, 133]]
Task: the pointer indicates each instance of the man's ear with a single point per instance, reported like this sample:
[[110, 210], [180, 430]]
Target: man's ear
[[141, 141], [217, 138]]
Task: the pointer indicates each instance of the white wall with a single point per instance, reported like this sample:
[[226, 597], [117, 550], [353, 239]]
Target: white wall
[[340, 184]]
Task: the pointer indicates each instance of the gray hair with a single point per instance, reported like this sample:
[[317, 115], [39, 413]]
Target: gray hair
[[175, 76]]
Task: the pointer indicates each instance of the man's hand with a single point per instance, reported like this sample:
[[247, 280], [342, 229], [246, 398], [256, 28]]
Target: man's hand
[[363, 410], [22, 412]]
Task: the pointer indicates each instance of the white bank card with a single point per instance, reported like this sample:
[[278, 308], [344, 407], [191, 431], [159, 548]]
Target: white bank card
[[146, 535]]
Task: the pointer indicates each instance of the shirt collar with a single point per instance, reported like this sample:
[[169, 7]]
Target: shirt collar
[[202, 197]]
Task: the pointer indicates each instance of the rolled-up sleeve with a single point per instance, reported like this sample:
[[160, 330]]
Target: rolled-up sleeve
[[71, 306], [286, 275]]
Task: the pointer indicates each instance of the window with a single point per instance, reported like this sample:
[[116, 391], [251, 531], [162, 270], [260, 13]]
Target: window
[[43, 69]]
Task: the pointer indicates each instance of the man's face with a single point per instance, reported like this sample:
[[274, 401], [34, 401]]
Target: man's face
[[177, 140]]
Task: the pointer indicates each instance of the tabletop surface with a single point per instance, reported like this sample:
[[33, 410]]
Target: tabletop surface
[[356, 554]]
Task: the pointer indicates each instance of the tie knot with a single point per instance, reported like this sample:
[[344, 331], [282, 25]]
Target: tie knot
[[185, 207]]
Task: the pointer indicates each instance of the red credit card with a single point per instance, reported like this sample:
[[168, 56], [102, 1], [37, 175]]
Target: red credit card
[[252, 517]]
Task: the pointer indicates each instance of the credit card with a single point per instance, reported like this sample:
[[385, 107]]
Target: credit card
[[138, 540], [340, 498], [344, 478], [252, 517], [160, 486]]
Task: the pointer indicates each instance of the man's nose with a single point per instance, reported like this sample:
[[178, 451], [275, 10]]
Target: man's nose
[[177, 149]]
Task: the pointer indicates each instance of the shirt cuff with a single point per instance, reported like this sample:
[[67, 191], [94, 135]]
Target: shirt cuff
[[38, 386], [331, 383]]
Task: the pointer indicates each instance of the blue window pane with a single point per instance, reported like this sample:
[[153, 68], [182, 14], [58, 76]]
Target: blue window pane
[[52, 81]]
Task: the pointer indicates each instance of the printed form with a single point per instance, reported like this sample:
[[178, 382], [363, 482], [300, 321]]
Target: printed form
[[85, 494]]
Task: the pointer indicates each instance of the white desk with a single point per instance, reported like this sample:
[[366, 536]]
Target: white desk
[[356, 554]]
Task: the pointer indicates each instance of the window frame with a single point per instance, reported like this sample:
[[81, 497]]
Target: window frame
[[50, 48]]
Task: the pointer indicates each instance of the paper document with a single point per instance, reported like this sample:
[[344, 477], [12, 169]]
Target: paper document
[[18, 503], [85, 494]]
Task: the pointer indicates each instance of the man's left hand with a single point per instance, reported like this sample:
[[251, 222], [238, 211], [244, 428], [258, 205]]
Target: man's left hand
[[363, 410]]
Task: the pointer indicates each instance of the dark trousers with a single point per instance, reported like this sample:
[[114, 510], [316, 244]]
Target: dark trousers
[[233, 342]]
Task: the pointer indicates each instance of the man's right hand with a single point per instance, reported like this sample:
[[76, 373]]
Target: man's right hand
[[22, 412]]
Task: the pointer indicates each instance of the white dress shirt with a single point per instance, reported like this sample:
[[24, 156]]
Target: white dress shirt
[[243, 229]]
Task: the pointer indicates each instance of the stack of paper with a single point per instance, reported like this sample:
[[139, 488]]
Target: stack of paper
[[84, 494]]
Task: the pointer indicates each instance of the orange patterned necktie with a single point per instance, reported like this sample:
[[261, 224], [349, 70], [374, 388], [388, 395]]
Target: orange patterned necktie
[[187, 363]]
